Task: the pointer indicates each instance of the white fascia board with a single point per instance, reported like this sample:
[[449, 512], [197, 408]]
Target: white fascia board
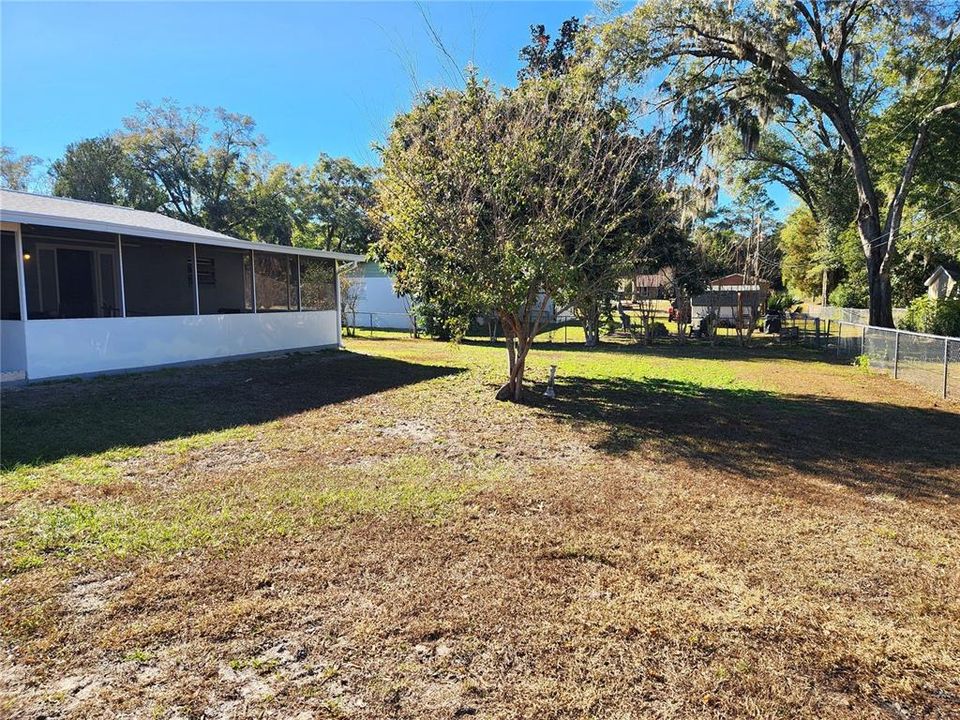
[[199, 238]]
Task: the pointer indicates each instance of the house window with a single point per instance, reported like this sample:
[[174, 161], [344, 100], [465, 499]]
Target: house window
[[318, 277], [224, 279], [9, 282], [157, 277], [70, 273], [206, 271], [276, 279]]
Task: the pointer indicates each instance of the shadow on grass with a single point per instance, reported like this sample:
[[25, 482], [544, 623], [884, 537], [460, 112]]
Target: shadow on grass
[[760, 435], [44, 423], [692, 349]]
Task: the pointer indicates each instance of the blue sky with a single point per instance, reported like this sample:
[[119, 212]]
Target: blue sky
[[316, 76]]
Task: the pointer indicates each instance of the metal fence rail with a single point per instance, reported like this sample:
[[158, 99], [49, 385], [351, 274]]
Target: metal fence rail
[[370, 321], [929, 361], [848, 315]]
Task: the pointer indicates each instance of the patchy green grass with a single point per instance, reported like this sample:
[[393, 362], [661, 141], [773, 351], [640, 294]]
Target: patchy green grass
[[234, 511], [684, 532]]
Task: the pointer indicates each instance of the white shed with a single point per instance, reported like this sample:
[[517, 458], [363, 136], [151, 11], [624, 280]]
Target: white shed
[[89, 288]]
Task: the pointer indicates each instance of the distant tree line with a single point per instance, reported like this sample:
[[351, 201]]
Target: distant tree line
[[210, 168]]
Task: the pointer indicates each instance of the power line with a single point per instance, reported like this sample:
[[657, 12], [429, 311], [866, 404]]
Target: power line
[[879, 240]]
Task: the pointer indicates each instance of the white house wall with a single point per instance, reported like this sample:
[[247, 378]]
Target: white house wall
[[13, 350], [56, 348], [378, 301]]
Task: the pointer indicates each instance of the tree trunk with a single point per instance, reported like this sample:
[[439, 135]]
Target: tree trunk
[[591, 324], [881, 294], [878, 272]]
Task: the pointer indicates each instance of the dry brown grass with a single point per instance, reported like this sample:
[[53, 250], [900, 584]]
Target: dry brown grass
[[696, 533]]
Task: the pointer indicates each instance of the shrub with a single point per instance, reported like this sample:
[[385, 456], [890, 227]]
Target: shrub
[[658, 330], [850, 295], [780, 302], [939, 317]]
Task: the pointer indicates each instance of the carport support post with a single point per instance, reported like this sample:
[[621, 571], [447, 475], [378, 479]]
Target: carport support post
[[253, 279], [123, 293], [196, 282], [21, 275]]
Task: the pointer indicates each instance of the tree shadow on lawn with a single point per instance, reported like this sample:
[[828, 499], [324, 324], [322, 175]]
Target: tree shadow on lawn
[[757, 434], [693, 349], [44, 423]]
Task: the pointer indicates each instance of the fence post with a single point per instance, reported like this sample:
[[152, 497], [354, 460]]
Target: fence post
[[946, 357], [896, 355], [839, 336], [371, 324], [816, 330], [863, 339]]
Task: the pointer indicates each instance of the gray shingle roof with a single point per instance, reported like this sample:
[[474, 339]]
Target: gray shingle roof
[[25, 207]]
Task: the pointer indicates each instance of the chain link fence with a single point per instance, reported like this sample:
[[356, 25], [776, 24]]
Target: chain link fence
[[929, 361], [370, 321], [849, 315]]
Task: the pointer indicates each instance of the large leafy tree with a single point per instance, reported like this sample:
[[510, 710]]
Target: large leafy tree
[[98, 170], [490, 201], [17, 171], [799, 240], [204, 171], [747, 63], [808, 159], [331, 204], [659, 239], [208, 167], [542, 59]]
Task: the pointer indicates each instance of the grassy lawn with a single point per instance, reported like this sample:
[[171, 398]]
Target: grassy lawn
[[683, 532]]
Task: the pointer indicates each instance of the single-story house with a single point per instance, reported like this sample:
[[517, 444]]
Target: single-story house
[[725, 295], [736, 281], [90, 288], [647, 286], [944, 283]]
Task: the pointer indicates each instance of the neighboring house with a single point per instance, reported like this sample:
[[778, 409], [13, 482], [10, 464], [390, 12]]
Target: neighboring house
[[736, 281], [944, 283], [378, 304], [91, 288], [725, 295], [651, 286]]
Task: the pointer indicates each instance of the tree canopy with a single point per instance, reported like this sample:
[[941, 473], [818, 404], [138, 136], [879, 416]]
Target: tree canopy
[[16, 171], [840, 66], [210, 167], [491, 201]]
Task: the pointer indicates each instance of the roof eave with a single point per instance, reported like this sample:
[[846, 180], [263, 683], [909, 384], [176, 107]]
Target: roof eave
[[20, 216]]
